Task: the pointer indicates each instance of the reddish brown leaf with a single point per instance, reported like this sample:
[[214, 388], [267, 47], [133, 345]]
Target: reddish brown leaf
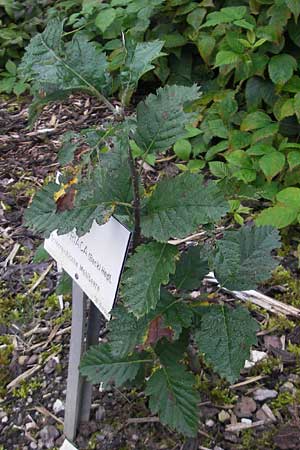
[[156, 331], [66, 202]]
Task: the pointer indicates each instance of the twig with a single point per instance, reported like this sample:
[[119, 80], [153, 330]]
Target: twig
[[248, 381], [136, 202], [143, 420], [259, 299], [193, 237], [244, 426], [22, 377], [40, 279], [42, 410], [11, 256]]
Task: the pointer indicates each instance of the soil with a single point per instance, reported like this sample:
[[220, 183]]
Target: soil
[[35, 331]]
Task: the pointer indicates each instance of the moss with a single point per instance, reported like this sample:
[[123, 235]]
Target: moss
[[280, 323], [223, 396], [52, 302], [285, 278], [283, 400], [22, 187], [27, 387], [253, 440], [53, 350], [266, 367], [6, 350], [65, 316]]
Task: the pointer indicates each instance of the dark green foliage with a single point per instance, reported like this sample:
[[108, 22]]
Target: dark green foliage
[[249, 86], [225, 336]]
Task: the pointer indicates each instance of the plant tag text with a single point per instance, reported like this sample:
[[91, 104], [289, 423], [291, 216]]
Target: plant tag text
[[95, 260]]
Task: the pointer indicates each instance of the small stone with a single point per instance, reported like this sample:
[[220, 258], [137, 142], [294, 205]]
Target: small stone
[[209, 423], [135, 437], [2, 414], [288, 387], [217, 448], [224, 416], [51, 365], [4, 419], [58, 406], [32, 360], [264, 394], [29, 400], [272, 341], [48, 435], [33, 445], [22, 360], [265, 413], [100, 413], [246, 421], [294, 378], [231, 437], [30, 426], [245, 407], [255, 356]]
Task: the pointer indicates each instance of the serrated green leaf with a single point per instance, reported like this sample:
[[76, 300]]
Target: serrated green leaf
[[225, 337], [279, 216], [272, 164], [293, 159], [58, 69], [141, 288], [255, 120], [95, 199], [138, 62], [226, 57], [179, 205], [161, 118], [42, 215], [40, 255], [191, 268], [243, 258], [64, 286], [294, 6], [99, 365], [219, 169], [105, 18], [66, 153], [176, 314], [173, 397], [206, 45], [125, 331], [183, 149], [281, 68], [260, 149]]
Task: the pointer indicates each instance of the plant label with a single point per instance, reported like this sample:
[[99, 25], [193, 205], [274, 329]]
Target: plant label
[[95, 261], [67, 446]]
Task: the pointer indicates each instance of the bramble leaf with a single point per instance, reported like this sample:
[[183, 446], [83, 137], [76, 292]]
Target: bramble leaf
[[225, 337], [272, 164], [281, 68], [99, 365], [179, 205], [285, 211], [57, 69], [91, 200], [191, 268], [161, 118], [172, 394], [243, 258], [147, 270], [138, 62]]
